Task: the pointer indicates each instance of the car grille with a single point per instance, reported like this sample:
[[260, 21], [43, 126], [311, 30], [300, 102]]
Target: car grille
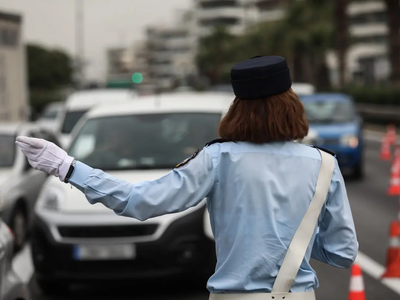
[[107, 231], [327, 142]]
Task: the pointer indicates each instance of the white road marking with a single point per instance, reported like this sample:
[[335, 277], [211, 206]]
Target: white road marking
[[375, 270], [23, 265]]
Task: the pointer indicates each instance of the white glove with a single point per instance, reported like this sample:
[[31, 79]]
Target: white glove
[[45, 156]]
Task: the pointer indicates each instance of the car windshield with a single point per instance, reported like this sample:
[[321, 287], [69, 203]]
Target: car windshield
[[70, 120], [7, 150], [147, 141], [329, 112], [50, 113]]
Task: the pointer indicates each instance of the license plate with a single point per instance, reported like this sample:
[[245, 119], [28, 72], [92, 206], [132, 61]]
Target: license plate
[[104, 252]]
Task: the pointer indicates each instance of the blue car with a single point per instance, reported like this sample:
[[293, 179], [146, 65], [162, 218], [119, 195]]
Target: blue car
[[338, 128]]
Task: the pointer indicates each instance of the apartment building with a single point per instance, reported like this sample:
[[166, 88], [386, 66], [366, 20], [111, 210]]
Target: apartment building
[[171, 52], [120, 65], [13, 77], [368, 55], [233, 14]]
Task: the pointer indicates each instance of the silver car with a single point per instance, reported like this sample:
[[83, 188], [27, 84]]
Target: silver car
[[11, 286], [19, 183]]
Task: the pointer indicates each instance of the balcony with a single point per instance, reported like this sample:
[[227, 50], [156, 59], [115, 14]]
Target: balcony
[[369, 30], [273, 15], [365, 7]]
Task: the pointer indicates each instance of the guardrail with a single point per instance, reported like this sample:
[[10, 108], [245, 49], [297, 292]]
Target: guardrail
[[380, 114]]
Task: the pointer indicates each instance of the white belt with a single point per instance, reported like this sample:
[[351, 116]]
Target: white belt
[[298, 246], [264, 296]]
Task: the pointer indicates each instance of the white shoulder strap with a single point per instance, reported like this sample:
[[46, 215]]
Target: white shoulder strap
[[302, 237]]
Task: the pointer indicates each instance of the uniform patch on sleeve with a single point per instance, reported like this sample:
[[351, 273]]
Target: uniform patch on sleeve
[[187, 159]]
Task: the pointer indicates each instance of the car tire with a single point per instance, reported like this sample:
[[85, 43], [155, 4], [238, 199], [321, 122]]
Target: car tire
[[358, 171], [19, 227], [52, 287]]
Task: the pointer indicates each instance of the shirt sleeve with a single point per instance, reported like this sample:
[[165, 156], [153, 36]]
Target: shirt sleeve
[[336, 243], [182, 188]]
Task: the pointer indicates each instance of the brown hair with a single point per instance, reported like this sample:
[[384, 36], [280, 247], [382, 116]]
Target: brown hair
[[277, 118]]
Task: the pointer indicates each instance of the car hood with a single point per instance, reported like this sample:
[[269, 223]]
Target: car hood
[[74, 201], [323, 130]]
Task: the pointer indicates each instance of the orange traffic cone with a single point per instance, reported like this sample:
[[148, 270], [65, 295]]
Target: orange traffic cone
[[394, 245], [385, 150], [393, 269], [394, 187], [356, 284], [391, 134]]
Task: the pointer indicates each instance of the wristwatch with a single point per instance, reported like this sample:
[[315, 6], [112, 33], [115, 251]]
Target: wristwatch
[[70, 171]]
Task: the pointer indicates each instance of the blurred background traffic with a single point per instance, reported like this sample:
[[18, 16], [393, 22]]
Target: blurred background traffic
[[135, 87]]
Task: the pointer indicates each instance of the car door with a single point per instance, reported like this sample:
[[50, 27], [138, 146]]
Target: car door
[[32, 180], [4, 247]]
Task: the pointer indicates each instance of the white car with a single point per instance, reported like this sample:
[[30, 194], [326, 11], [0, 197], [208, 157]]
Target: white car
[[19, 183], [76, 242], [78, 103], [11, 286], [50, 117]]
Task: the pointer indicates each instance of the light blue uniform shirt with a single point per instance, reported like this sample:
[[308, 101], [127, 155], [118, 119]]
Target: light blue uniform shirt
[[257, 196]]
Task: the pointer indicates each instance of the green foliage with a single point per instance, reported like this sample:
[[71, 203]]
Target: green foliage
[[215, 55], [383, 95], [303, 36], [48, 69], [40, 98]]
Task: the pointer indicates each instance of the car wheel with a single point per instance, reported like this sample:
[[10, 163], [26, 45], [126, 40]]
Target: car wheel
[[52, 287], [19, 227], [358, 171]]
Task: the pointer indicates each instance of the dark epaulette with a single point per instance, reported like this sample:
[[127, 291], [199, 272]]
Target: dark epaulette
[[325, 150], [216, 141]]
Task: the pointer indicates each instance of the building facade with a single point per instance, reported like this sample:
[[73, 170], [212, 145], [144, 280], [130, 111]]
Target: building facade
[[171, 52], [367, 58], [13, 77]]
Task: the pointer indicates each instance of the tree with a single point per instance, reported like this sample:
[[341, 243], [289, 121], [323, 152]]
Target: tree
[[216, 54], [393, 13], [340, 22], [48, 69]]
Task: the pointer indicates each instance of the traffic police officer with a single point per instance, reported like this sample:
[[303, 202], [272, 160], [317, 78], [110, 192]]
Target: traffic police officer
[[273, 203]]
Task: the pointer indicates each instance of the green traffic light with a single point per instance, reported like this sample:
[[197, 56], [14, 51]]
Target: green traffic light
[[137, 78]]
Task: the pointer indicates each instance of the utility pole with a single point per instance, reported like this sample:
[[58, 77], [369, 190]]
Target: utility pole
[[79, 35]]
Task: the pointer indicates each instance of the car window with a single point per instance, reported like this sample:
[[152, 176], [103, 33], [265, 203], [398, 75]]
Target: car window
[[325, 112], [70, 120], [7, 150], [149, 141], [50, 113]]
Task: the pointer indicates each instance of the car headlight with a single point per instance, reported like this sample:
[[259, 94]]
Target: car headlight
[[50, 199], [349, 141]]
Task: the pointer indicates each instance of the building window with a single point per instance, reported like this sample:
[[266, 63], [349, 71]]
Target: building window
[[218, 4], [377, 39], [375, 17], [220, 22], [270, 4], [8, 37]]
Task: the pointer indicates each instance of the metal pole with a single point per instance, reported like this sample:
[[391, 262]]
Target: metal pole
[[79, 41]]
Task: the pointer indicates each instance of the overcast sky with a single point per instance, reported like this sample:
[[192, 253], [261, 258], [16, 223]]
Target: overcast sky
[[107, 23]]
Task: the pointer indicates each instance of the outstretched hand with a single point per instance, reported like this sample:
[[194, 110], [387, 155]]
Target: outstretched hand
[[45, 156]]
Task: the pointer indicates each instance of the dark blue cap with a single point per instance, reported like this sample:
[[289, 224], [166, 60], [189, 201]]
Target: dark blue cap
[[260, 77]]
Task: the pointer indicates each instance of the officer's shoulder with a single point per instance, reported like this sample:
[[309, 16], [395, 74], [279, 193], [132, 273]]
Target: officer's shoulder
[[216, 141], [325, 150]]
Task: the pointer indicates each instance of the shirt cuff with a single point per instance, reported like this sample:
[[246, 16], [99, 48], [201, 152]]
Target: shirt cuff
[[80, 174]]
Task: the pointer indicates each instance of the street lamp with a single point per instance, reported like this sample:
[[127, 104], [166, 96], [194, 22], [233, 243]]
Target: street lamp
[[79, 35]]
